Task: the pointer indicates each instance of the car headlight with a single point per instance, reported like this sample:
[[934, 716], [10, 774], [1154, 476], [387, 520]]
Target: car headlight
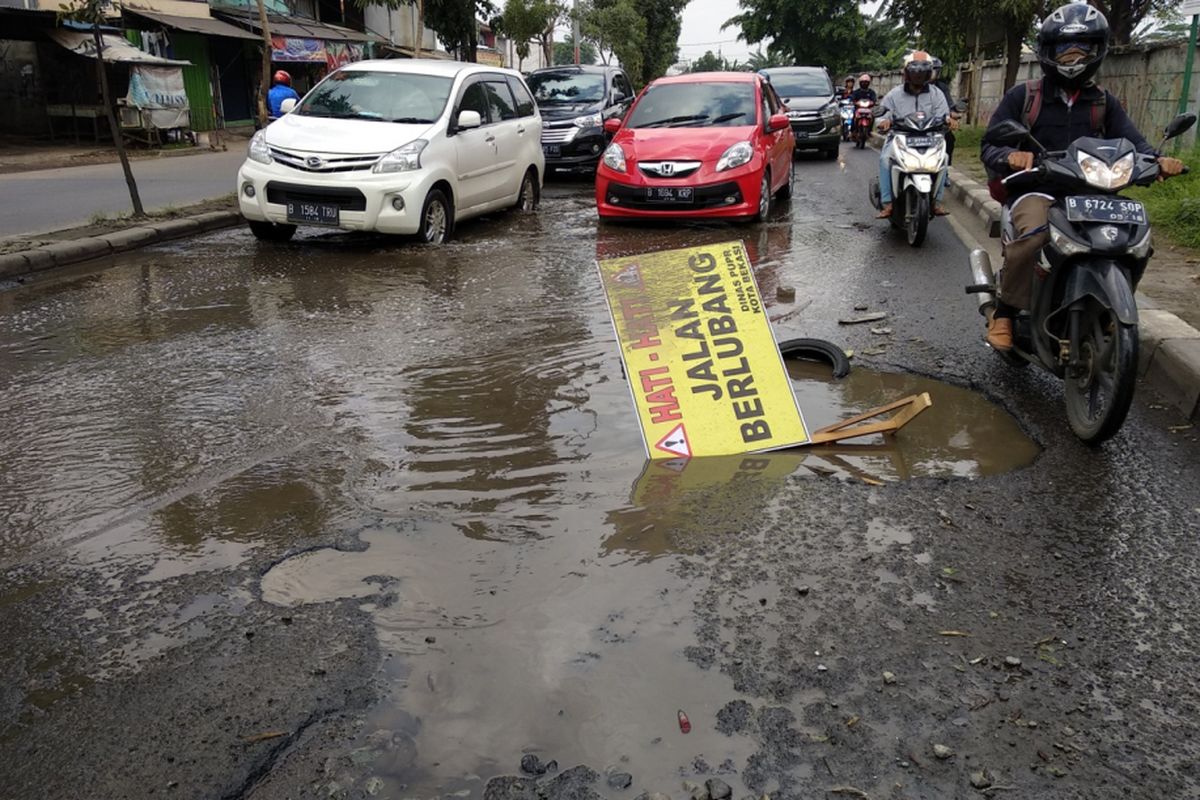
[[1065, 244], [1103, 176], [830, 111], [737, 155], [589, 121], [402, 159], [259, 151], [614, 158]]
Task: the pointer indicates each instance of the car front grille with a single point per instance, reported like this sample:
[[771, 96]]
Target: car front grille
[[714, 195], [314, 162], [558, 135], [347, 199], [808, 125]]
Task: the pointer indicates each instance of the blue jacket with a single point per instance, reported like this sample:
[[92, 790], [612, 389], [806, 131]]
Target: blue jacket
[[1059, 124], [276, 96]]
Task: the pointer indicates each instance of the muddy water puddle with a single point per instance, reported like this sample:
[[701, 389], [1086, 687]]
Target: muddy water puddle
[[460, 412]]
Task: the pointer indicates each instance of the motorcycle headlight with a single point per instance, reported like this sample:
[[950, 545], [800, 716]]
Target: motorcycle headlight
[[1065, 244], [259, 151], [1141, 249], [614, 158], [402, 159], [588, 121], [1101, 175], [737, 155]]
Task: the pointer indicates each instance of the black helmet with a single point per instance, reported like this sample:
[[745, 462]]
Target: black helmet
[[918, 69], [1071, 43]]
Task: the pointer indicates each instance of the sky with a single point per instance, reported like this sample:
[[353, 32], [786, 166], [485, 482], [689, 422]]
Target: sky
[[702, 21]]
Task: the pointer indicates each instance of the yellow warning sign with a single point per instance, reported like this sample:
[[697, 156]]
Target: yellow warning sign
[[706, 375]]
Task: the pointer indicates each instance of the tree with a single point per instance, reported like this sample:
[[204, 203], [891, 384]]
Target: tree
[[663, 25], [1124, 16], [564, 52], [827, 32], [91, 12], [885, 41], [760, 60], [526, 20], [456, 23], [709, 62], [616, 28], [950, 27]]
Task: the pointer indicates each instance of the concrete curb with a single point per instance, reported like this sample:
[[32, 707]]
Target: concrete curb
[[1169, 355], [74, 251]]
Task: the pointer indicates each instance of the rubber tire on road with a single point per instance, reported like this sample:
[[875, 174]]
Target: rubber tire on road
[[528, 185], [785, 191], [1125, 360], [424, 233], [271, 231], [817, 350], [764, 191], [917, 223], [831, 154]]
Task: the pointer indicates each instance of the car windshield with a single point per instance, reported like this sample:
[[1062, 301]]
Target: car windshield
[[801, 85], [566, 87], [380, 96], [674, 105]]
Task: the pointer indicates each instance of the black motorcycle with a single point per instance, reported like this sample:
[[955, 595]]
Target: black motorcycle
[[1083, 324]]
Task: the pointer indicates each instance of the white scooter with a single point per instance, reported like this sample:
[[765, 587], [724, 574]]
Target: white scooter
[[918, 166]]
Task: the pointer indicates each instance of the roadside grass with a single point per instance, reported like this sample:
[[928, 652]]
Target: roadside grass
[[1173, 206]]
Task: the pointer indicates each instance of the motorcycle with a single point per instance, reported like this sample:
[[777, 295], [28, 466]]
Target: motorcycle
[[1083, 325], [846, 109], [918, 166], [864, 120]]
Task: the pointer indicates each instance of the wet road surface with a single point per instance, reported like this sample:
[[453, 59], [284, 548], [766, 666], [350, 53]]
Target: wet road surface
[[355, 518]]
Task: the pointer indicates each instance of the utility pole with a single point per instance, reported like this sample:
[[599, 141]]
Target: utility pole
[[575, 28], [1191, 7], [420, 28], [266, 64]]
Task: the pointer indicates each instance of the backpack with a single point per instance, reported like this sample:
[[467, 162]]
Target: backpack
[[1029, 115]]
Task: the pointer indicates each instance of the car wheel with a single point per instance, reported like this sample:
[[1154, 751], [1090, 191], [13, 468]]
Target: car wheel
[[437, 218], [764, 197], [831, 154], [528, 197], [785, 191], [271, 231]]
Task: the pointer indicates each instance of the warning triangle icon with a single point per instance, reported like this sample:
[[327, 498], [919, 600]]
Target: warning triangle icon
[[676, 442]]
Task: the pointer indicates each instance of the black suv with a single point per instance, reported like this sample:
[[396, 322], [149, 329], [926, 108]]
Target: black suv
[[574, 101], [812, 108]]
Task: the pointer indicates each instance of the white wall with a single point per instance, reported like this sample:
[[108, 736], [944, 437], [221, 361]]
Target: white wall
[[398, 25]]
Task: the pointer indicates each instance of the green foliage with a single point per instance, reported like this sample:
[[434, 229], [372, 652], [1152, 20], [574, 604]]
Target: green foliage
[[760, 60], [885, 41], [711, 62], [526, 20], [816, 32], [642, 34], [454, 21], [564, 52], [616, 27], [1174, 204]]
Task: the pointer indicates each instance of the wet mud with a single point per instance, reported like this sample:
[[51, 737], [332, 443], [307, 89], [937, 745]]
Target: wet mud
[[351, 518]]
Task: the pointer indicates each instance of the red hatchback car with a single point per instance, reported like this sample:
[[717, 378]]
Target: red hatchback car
[[708, 144]]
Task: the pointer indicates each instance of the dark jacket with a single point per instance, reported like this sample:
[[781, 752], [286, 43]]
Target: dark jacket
[[944, 88], [1058, 125], [864, 94]]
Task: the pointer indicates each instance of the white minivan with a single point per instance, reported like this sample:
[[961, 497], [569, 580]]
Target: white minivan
[[399, 146]]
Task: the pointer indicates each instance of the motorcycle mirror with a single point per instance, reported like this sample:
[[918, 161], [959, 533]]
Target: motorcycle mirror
[[878, 111], [960, 106], [1008, 133], [1181, 124]]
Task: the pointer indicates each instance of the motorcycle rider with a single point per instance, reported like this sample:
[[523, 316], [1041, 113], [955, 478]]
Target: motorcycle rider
[[1071, 44], [942, 85], [844, 92], [864, 90], [280, 90], [913, 95]]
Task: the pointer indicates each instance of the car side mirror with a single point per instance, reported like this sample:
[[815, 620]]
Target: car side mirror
[[287, 105], [469, 119], [777, 122], [1181, 124], [612, 125]]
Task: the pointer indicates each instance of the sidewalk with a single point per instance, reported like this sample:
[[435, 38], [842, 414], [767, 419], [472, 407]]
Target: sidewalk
[[49, 200], [1169, 357]]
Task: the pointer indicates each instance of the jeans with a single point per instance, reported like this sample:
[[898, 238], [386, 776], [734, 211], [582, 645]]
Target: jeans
[[885, 177]]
